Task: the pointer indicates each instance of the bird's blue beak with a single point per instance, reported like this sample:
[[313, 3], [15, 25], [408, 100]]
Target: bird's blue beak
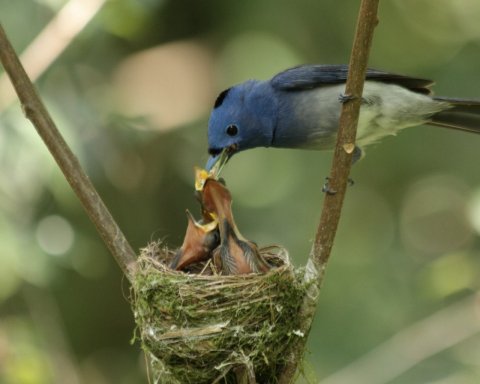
[[212, 160], [216, 162]]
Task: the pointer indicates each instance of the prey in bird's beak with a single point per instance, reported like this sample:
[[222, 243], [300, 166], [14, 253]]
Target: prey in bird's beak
[[217, 161], [213, 168]]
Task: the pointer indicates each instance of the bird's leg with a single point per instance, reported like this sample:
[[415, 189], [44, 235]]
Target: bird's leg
[[357, 155]]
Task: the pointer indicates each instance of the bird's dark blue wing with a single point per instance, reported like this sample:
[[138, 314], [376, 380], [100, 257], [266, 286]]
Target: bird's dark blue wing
[[314, 76]]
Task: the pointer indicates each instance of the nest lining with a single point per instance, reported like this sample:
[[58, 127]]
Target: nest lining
[[199, 328]]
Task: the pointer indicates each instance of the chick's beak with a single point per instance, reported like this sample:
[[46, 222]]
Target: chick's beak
[[199, 241]]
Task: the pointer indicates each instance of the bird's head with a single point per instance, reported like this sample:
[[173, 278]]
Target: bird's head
[[243, 117]]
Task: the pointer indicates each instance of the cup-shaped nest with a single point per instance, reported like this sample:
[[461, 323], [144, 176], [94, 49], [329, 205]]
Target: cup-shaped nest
[[206, 328]]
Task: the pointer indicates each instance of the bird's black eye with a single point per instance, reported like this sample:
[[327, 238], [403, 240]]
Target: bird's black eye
[[232, 130]]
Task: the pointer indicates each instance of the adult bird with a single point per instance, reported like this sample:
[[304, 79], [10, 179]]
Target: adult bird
[[300, 108]]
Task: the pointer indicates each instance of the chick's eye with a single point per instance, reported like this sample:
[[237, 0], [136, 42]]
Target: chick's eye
[[232, 130]]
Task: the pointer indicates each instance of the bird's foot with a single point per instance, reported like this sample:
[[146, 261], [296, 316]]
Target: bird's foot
[[326, 187], [344, 98]]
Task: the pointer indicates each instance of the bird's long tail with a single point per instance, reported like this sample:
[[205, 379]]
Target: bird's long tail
[[463, 115]]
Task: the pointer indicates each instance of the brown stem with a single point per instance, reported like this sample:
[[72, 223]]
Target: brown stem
[[338, 180], [36, 112], [342, 160]]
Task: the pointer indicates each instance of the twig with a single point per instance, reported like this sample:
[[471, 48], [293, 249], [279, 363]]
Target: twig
[[36, 112], [338, 180], [343, 156]]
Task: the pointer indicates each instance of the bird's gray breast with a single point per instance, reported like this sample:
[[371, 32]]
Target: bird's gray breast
[[309, 118]]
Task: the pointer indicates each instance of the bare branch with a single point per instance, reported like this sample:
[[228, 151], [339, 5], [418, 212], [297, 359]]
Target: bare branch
[[338, 180], [342, 159], [36, 112]]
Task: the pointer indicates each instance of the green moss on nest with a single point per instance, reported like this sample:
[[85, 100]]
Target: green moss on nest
[[198, 328]]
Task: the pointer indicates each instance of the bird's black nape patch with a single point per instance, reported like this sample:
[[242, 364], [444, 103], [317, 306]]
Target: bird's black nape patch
[[221, 97]]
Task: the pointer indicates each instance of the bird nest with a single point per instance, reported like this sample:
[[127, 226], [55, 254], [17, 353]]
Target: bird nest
[[205, 327]]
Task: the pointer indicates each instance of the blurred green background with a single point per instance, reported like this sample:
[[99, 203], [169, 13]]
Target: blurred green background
[[131, 93]]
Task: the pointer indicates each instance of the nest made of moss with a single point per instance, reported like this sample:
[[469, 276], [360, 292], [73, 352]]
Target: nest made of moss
[[203, 328]]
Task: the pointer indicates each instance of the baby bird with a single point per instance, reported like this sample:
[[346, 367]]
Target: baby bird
[[199, 241], [236, 255]]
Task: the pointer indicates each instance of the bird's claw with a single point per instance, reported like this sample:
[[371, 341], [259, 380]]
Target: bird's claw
[[344, 98], [326, 188]]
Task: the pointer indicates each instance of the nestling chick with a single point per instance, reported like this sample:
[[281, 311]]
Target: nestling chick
[[236, 254], [199, 241]]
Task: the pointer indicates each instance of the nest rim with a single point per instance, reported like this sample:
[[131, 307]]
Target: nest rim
[[183, 330]]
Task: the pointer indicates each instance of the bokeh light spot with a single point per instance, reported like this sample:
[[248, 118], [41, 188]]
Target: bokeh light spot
[[433, 219], [55, 235], [474, 211], [450, 274], [249, 55], [449, 22], [262, 178], [369, 227], [170, 85]]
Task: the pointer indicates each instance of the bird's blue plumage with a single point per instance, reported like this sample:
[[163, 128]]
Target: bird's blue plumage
[[314, 76], [251, 108], [300, 108]]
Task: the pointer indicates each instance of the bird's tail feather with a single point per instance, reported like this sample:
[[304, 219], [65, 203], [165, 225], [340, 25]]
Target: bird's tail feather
[[463, 115]]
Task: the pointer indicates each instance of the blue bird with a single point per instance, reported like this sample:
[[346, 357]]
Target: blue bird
[[300, 108]]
